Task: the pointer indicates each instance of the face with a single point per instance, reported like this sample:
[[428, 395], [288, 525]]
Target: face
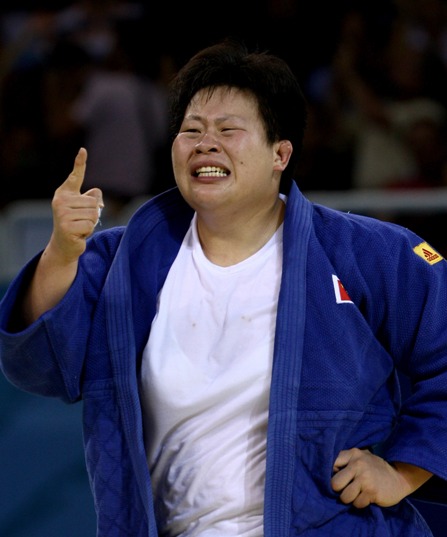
[[221, 158]]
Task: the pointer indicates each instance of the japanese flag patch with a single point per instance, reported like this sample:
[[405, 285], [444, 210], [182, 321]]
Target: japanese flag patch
[[427, 253], [341, 295]]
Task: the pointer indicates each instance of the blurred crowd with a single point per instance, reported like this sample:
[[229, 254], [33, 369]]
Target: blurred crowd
[[95, 72], [82, 75], [379, 105]]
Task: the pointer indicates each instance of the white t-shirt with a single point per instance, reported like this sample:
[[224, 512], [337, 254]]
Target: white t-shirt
[[205, 383]]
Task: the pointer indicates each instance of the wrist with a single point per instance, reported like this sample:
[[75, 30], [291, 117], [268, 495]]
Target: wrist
[[412, 476]]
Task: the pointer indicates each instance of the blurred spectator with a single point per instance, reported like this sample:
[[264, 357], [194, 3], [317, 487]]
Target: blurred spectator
[[424, 25], [82, 75], [124, 120], [382, 102], [93, 70], [25, 39], [91, 24], [66, 69], [120, 109], [330, 145], [326, 159]]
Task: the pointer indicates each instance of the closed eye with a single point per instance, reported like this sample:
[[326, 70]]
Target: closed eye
[[230, 130], [190, 133]]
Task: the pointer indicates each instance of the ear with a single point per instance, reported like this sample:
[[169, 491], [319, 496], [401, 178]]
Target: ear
[[283, 149]]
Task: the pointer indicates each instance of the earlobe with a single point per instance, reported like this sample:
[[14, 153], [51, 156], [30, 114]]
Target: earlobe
[[282, 154]]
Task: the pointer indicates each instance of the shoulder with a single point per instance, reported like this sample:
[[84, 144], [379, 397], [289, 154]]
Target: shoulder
[[381, 258], [363, 236]]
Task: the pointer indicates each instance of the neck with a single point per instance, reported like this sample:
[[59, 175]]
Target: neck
[[230, 242]]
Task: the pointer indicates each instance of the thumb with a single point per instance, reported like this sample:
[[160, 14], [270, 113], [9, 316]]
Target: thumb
[[74, 181]]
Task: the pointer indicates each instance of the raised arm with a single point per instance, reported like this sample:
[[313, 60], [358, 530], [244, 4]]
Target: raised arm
[[75, 216]]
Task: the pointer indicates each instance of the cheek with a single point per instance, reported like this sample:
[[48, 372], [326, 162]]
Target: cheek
[[175, 149], [181, 150], [178, 171], [178, 157]]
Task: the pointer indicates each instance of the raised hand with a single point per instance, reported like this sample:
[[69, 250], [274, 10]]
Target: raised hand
[[74, 218], [75, 215]]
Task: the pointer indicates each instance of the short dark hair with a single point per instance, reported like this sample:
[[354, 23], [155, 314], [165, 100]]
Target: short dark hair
[[268, 78]]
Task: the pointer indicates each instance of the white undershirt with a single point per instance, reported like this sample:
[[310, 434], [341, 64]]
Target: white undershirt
[[205, 388]]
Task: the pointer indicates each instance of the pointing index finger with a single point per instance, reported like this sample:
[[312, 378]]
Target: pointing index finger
[[76, 178]]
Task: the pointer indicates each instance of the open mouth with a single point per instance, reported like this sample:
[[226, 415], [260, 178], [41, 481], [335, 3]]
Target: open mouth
[[210, 171]]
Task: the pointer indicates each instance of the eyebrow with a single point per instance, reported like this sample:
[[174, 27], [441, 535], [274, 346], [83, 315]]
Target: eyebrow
[[196, 117]]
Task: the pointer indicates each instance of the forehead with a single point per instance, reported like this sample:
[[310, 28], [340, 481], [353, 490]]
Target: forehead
[[225, 99]]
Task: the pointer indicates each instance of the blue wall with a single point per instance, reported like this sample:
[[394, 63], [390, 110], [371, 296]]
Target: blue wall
[[44, 490]]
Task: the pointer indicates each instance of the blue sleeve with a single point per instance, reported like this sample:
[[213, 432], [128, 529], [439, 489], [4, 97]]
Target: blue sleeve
[[47, 357], [414, 328], [399, 283]]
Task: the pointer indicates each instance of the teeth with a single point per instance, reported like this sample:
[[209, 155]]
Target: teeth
[[211, 171]]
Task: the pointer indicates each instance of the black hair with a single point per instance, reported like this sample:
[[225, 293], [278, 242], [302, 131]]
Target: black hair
[[268, 78]]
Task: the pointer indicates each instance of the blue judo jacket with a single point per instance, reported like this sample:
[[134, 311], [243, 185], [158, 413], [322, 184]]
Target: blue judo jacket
[[360, 299]]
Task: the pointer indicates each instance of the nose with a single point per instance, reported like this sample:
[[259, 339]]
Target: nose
[[207, 143]]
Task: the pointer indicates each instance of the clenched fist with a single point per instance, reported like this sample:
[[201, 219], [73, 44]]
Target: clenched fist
[[363, 478]]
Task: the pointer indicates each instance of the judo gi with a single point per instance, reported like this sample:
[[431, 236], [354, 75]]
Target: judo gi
[[360, 299]]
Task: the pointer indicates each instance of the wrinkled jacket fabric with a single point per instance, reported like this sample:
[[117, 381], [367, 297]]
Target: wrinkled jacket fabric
[[334, 383]]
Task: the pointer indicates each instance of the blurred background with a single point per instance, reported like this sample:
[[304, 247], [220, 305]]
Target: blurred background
[[95, 73]]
